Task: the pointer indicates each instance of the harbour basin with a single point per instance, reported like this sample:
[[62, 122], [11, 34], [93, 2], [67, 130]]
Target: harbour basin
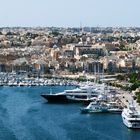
[[25, 115]]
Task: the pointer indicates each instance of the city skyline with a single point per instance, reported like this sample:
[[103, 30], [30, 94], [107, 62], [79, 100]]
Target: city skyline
[[47, 13]]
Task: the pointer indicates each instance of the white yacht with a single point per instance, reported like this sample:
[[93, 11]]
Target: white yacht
[[131, 117], [114, 107]]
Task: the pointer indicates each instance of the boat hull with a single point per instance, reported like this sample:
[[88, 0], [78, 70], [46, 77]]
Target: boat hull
[[85, 110], [130, 125], [56, 98], [64, 99], [119, 111]]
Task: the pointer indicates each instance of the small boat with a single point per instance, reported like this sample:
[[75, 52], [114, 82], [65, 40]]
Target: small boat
[[115, 110], [95, 107], [131, 117], [114, 107]]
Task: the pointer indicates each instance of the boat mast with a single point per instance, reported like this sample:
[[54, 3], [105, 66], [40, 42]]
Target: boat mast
[[95, 73], [50, 90]]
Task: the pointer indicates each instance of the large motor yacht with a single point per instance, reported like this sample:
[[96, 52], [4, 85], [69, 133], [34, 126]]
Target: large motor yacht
[[131, 117], [81, 94]]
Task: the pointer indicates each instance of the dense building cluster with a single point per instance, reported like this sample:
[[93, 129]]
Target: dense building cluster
[[69, 50]]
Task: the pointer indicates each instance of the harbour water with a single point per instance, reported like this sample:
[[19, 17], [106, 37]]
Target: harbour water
[[25, 115]]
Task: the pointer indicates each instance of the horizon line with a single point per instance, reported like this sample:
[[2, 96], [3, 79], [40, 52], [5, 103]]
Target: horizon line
[[69, 27]]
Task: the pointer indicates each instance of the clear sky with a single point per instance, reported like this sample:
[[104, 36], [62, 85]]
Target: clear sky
[[70, 13]]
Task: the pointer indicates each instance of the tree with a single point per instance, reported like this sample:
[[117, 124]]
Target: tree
[[122, 47], [135, 85], [121, 77], [138, 99]]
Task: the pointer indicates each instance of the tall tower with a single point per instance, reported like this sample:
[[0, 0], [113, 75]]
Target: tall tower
[[81, 28]]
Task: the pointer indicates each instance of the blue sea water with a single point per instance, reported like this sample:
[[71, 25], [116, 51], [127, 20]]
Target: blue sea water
[[25, 115]]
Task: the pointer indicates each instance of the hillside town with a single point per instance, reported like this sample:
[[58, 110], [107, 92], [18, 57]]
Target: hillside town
[[69, 51]]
